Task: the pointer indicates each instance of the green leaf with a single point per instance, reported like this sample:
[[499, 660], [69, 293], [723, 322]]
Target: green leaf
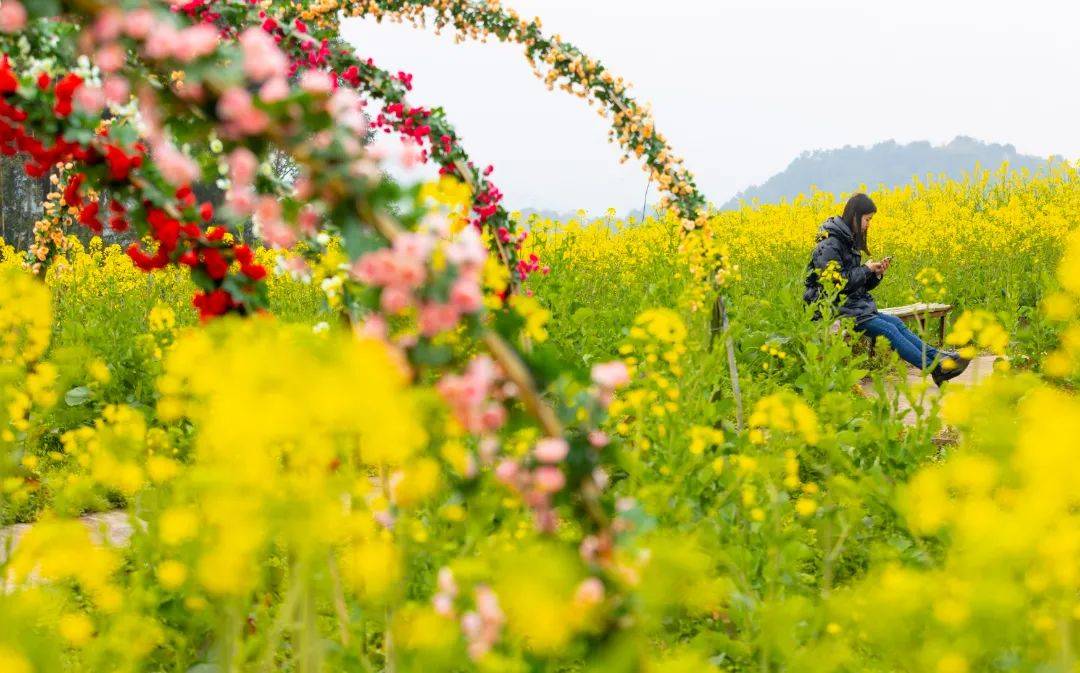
[[583, 315], [76, 396], [359, 240], [428, 354], [43, 8]]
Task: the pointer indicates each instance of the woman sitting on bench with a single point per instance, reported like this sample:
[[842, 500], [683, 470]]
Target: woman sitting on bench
[[843, 240]]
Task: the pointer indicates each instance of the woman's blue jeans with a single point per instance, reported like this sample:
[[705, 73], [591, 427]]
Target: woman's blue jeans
[[906, 343]]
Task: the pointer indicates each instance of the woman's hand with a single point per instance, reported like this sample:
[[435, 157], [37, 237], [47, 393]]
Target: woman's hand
[[879, 267]]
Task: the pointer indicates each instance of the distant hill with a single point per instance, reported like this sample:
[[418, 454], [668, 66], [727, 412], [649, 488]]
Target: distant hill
[[546, 214], [888, 163]]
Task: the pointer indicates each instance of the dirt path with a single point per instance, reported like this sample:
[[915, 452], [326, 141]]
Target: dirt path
[[114, 527], [979, 369]]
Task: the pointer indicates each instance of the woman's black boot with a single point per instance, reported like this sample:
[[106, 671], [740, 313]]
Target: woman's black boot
[[941, 376]]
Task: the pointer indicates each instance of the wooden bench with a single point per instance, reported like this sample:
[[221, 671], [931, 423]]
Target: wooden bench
[[919, 313]]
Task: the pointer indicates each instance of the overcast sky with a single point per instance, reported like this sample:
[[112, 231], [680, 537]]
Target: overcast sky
[[741, 87]]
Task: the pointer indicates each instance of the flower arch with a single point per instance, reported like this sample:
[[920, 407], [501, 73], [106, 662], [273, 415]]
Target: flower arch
[[170, 94], [559, 64]]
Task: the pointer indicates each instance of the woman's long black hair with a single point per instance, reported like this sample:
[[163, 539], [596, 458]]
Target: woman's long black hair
[[858, 206]]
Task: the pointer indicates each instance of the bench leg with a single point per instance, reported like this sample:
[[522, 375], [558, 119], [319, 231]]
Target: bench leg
[[941, 330]]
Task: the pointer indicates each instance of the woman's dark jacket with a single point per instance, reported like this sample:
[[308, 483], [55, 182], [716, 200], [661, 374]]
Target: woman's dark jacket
[[836, 243]]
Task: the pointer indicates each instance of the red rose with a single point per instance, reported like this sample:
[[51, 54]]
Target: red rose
[[120, 164], [139, 258], [88, 217], [118, 223], [211, 304], [242, 253], [352, 75], [255, 272], [185, 196], [64, 91], [71, 191], [8, 83], [165, 229], [216, 266]]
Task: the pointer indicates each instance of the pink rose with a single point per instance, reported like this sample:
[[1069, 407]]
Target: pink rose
[[177, 168], [90, 98], [277, 234], [371, 268], [165, 43], [268, 209], [117, 91], [108, 25], [471, 625], [302, 188], [295, 267], [373, 327], [589, 548], [241, 200], [443, 605], [346, 107], [110, 58], [262, 57], [192, 91], [274, 90], [507, 472], [12, 16], [196, 41], [488, 449], [446, 582], [138, 23], [395, 300], [467, 249], [235, 107], [487, 604], [242, 166], [494, 417], [468, 395], [549, 479], [551, 450], [308, 221], [412, 154], [437, 318], [466, 296], [267, 220], [414, 246], [407, 272], [316, 82], [611, 375], [589, 592]]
